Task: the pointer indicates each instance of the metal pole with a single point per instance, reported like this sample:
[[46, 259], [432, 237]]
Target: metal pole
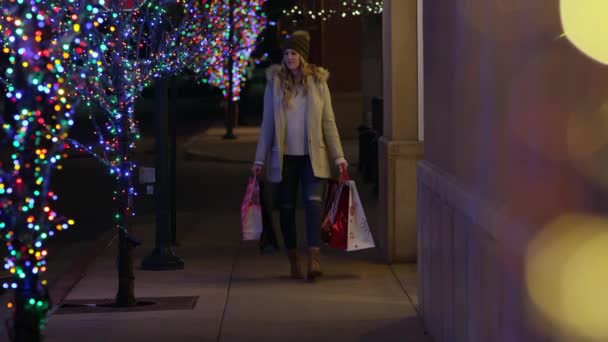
[[162, 257], [173, 161]]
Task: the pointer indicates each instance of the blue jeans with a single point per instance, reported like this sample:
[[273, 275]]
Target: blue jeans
[[298, 169]]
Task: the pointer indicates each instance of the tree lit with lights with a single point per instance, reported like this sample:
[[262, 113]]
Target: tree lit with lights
[[222, 58], [232, 47], [36, 38], [125, 52]]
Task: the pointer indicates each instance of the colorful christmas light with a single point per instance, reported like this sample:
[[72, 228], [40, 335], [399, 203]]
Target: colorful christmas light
[[35, 38], [222, 58], [123, 53]]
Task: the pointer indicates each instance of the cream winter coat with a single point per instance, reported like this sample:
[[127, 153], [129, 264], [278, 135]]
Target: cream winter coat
[[323, 138]]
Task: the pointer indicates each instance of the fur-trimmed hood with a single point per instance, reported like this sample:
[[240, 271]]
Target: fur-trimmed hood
[[320, 74]]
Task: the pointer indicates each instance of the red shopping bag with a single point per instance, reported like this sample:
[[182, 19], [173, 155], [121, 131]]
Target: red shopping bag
[[251, 211], [335, 214]]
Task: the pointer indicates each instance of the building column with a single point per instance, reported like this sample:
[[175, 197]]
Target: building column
[[400, 148]]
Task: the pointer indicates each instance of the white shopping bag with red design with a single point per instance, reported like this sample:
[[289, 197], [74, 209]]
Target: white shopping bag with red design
[[359, 235], [251, 211]]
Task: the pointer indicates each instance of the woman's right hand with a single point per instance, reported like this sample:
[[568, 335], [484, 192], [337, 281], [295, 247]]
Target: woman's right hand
[[256, 169]]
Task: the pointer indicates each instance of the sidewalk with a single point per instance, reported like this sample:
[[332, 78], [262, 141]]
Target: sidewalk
[[242, 295], [212, 147]]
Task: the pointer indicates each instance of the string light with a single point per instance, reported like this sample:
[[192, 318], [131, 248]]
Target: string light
[[349, 8], [34, 36], [123, 53]]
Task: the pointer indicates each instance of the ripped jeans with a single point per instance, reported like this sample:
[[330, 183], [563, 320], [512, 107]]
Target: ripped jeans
[[298, 169]]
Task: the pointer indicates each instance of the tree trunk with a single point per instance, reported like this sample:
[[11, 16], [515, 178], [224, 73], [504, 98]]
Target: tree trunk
[[230, 119], [126, 276], [27, 318]]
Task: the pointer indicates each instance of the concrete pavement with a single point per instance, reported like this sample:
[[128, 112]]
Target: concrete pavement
[[243, 295], [212, 147]]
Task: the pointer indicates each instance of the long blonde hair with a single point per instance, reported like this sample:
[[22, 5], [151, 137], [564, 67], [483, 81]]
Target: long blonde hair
[[288, 81]]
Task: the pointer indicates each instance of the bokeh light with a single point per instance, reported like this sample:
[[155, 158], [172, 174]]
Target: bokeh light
[[567, 277], [585, 24], [588, 144]]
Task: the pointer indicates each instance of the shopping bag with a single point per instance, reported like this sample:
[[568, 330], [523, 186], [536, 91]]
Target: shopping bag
[[251, 211], [269, 237], [345, 225], [359, 234], [334, 230], [327, 220]]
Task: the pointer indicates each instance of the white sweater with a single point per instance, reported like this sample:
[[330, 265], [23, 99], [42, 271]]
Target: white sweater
[[297, 126]]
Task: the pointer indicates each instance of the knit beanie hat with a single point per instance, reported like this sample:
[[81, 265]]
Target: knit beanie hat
[[298, 41]]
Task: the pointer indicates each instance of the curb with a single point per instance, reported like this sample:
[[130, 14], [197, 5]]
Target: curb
[[193, 151], [193, 154], [203, 157]]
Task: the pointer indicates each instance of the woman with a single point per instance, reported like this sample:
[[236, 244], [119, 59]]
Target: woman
[[298, 143]]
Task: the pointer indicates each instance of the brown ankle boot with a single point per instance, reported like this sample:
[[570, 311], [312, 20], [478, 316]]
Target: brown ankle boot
[[294, 261], [314, 263]]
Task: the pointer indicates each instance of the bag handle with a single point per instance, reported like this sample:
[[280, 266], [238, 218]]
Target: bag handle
[[336, 203], [344, 174], [252, 186]]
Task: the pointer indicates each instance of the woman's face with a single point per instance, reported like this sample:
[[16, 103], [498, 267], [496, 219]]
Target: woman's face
[[291, 59]]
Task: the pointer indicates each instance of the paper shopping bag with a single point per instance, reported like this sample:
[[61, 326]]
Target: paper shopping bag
[[359, 235], [251, 212]]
